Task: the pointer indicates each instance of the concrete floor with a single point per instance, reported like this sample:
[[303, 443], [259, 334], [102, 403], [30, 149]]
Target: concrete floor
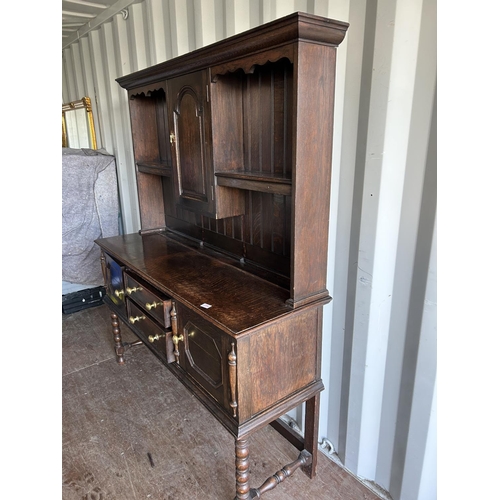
[[135, 432]]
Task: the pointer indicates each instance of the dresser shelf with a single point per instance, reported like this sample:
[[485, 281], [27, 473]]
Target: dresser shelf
[[263, 182], [156, 168]]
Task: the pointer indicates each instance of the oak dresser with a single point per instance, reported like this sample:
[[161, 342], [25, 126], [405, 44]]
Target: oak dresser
[[226, 280]]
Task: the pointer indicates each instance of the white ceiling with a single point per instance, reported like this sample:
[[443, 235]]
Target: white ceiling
[[81, 16]]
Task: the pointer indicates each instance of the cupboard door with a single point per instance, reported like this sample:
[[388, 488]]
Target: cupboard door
[[189, 120], [204, 354]]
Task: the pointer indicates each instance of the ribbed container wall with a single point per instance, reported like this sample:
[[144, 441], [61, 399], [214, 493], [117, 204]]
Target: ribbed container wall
[[378, 411]]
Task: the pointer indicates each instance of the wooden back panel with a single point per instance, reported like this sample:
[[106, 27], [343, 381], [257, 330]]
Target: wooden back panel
[[261, 122]]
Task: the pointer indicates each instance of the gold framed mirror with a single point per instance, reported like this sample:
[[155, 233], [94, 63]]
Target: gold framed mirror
[[78, 129]]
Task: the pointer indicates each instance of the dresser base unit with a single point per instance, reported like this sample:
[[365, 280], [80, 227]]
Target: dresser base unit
[[225, 282], [231, 340]]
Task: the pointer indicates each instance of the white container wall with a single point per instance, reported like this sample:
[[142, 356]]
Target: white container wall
[[378, 410]]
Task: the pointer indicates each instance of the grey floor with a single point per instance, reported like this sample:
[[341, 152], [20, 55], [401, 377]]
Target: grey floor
[[134, 432]]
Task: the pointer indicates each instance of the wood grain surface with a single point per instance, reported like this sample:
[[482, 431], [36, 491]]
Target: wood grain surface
[[239, 301]]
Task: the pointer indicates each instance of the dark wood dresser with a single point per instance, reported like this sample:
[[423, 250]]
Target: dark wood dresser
[[226, 281]]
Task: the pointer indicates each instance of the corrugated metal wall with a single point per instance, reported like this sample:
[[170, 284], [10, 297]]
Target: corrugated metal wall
[[378, 412]]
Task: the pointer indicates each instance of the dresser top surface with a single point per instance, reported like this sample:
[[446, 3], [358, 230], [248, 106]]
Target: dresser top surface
[[238, 300]]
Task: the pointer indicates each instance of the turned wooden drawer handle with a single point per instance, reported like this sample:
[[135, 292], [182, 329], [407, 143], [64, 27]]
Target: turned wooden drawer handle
[[130, 291], [133, 319]]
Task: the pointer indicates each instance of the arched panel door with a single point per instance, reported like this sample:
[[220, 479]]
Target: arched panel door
[[189, 140]]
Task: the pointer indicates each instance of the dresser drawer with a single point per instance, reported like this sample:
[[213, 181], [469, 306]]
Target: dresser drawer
[[204, 353], [158, 338], [154, 302], [113, 273]]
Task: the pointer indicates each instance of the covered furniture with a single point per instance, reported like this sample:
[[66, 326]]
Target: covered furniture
[[90, 210]]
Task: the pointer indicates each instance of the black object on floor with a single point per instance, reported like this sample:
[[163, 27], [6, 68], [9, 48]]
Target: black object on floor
[[83, 299]]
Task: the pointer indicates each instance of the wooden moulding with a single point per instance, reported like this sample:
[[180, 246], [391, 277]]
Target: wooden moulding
[[249, 63], [296, 26]]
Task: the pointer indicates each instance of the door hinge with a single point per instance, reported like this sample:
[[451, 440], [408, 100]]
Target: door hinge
[[213, 193], [208, 98]]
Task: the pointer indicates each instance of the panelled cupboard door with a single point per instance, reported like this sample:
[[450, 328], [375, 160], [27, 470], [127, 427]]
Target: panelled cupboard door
[[204, 354], [190, 141]]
